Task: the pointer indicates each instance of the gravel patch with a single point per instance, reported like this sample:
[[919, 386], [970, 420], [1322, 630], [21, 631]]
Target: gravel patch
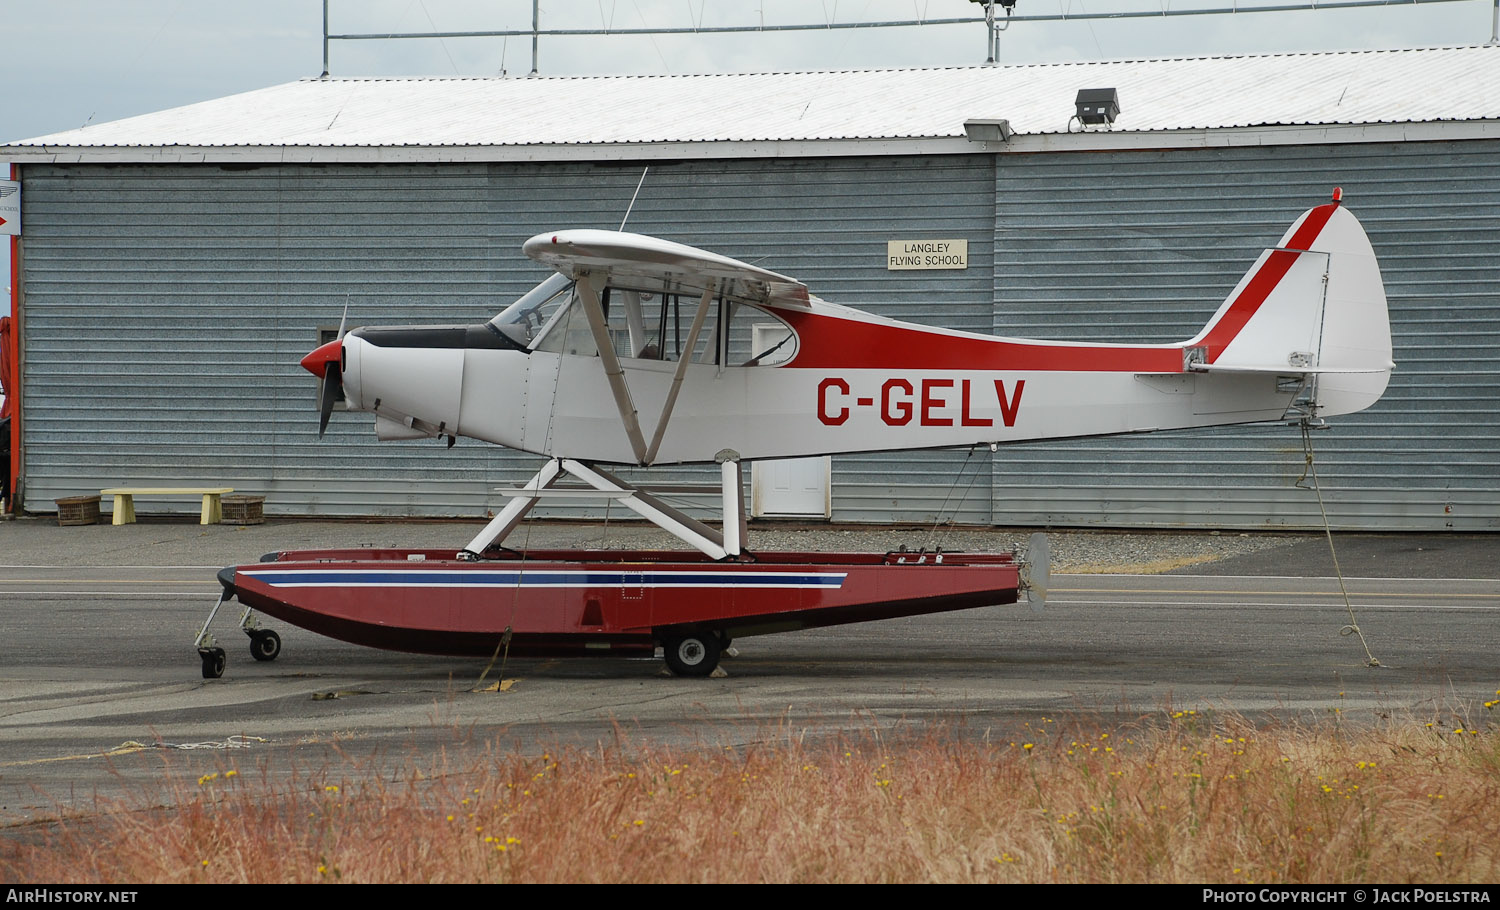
[[39, 541], [1073, 551]]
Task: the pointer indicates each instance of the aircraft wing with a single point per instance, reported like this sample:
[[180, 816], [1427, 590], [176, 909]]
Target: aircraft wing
[[654, 261]]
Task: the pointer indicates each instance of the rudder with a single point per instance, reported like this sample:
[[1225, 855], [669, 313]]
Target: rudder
[[1314, 305]]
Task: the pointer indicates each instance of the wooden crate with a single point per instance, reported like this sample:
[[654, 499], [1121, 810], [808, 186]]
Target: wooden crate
[[77, 510], [240, 509]]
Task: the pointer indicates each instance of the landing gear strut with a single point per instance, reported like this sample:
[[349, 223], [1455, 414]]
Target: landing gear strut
[[265, 644]]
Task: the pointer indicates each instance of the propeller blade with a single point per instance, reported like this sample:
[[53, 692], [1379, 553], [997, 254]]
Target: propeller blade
[[328, 392], [326, 363]]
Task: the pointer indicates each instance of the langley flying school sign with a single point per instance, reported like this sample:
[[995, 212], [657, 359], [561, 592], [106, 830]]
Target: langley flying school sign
[[926, 254]]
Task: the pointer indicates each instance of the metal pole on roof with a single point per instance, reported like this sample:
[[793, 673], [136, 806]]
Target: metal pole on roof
[[535, 31], [989, 23], [1061, 16], [1495, 24], [325, 40]]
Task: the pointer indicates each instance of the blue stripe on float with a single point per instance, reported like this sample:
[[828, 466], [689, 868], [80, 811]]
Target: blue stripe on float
[[458, 578]]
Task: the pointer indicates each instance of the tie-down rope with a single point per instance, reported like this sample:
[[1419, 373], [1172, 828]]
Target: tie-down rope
[[1309, 468]]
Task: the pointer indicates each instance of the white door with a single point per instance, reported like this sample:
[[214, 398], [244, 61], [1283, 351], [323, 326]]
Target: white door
[[791, 488]]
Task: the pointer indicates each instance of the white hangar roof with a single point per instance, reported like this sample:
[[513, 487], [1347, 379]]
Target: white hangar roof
[[1430, 93]]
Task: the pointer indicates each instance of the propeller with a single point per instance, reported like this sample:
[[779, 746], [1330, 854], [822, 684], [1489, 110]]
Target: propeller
[[327, 363]]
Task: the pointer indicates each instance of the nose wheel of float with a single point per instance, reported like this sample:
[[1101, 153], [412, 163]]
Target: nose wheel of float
[[265, 644], [214, 660]]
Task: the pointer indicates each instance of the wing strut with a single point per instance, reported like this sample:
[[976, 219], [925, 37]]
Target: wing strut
[[588, 295], [682, 365]]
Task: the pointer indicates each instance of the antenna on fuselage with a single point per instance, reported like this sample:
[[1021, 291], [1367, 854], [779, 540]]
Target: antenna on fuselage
[[633, 195]]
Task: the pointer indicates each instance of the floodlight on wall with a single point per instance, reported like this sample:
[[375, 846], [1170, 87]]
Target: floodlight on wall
[[1097, 106], [988, 130]]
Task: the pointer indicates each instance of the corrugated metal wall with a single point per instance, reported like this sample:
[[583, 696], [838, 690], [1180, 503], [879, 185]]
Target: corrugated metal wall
[[167, 306], [1143, 246]]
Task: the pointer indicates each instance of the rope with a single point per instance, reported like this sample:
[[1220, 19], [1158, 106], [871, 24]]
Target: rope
[[130, 746], [233, 742], [502, 653], [938, 518], [1309, 468], [502, 647]]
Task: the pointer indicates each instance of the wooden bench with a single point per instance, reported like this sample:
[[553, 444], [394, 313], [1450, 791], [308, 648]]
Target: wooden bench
[[125, 501]]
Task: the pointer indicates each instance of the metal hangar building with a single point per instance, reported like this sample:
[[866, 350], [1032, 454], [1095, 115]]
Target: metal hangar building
[[175, 266]]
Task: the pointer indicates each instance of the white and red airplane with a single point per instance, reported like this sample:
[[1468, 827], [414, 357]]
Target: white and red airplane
[[640, 351]]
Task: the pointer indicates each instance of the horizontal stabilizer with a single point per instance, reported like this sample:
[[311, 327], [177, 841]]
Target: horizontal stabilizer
[[1284, 370]]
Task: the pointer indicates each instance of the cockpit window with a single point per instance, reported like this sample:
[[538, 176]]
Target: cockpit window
[[657, 325], [757, 338], [525, 319]]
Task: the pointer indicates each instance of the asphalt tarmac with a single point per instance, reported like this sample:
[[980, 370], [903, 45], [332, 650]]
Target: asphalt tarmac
[[100, 687]]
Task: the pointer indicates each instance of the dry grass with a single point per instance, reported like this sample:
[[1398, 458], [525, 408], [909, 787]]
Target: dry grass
[[1183, 797], [1152, 567]]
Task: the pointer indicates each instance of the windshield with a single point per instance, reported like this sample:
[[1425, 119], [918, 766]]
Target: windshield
[[523, 320], [658, 325]]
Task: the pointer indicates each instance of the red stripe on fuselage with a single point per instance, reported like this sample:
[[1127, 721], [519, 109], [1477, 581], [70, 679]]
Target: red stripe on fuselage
[[826, 342], [832, 342]]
